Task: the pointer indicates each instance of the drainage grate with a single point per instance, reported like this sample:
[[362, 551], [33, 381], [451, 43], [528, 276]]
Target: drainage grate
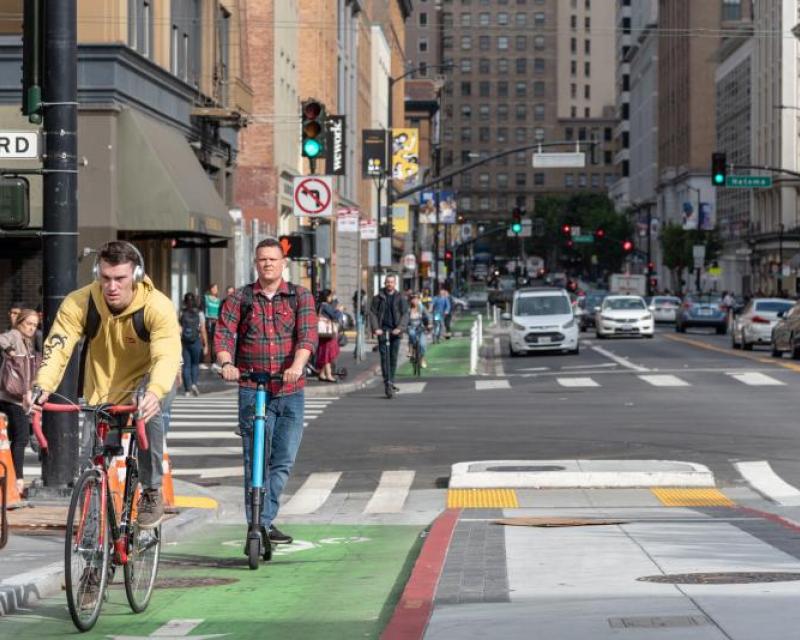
[[658, 622], [551, 467], [731, 577], [190, 583]]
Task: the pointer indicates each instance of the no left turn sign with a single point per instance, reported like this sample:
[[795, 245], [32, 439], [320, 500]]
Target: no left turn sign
[[313, 196]]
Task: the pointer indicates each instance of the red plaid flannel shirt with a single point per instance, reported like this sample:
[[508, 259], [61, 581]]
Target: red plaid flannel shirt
[[271, 335]]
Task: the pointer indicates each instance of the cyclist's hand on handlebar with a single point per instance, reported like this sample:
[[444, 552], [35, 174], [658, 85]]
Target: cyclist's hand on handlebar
[[148, 405], [230, 373], [292, 374], [33, 399], [396, 332], [379, 332]]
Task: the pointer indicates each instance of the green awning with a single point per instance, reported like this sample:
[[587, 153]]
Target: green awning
[[162, 186]]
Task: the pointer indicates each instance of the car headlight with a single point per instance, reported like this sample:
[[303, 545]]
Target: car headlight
[[518, 327], [647, 316], [569, 324]]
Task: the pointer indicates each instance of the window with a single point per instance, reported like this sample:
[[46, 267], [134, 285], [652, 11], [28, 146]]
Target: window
[[521, 65], [483, 19], [520, 43], [447, 42], [465, 204], [519, 134], [483, 134], [502, 18], [521, 19], [587, 112], [538, 89], [573, 111], [520, 158], [609, 179], [502, 65], [582, 180], [538, 19], [573, 45], [423, 19], [466, 88], [466, 65], [538, 179], [465, 156], [185, 45], [582, 133], [447, 19], [483, 180], [573, 67], [538, 42], [569, 180], [502, 180], [587, 23], [483, 112], [502, 43], [538, 133], [502, 89], [484, 89], [607, 159], [223, 36], [140, 26], [538, 65], [607, 133], [520, 179], [483, 204], [466, 43], [466, 134], [466, 19], [502, 134], [569, 132], [422, 45], [587, 69], [466, 111], [587, 46], [595, 181], [521, 111], [731, 9], [573, 22], [484, 43], [587, 91], [520, 89], [466, 179], [538, 112], [484, 65], [502, 112], [573, 90]]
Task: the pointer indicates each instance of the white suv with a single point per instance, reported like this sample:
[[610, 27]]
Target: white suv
[[542, 319]]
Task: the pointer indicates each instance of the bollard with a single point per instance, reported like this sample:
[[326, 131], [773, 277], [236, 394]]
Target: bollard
[[473, 348]]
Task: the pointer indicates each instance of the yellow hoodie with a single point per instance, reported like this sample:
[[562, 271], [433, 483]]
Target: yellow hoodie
[[117, 358]]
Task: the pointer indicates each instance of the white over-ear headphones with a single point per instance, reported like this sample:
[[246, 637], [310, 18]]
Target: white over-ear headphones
[[138, 269]]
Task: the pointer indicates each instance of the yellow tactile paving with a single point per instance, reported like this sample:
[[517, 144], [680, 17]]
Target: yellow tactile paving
[[196, 502], [482, 499], [693, 497]]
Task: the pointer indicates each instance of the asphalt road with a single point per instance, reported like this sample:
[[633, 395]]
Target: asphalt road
[[727, 406]]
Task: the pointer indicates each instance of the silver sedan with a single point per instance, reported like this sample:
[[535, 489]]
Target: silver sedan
[[755, 322]]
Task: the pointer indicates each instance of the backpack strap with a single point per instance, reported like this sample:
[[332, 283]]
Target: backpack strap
[[139, 326]]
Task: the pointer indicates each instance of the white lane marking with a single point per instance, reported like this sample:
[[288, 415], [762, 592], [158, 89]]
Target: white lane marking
[[535, 369], [203, 451], [173, 422], [619, 359], [755, 379], [484, 385], [213, 472], [201, 435], [764, 480], [590, 366], [499, 367], [391, 494], [577, 382], [312, 495], [664, 381], [412, 387]]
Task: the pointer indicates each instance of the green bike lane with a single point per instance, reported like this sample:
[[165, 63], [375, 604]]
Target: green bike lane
[[447, 357], [334, 581]]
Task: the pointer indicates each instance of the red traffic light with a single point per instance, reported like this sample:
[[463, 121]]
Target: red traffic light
[[312, 109], [627, 246], [448, 255], [570, 244], [566, 229], [600, 234]]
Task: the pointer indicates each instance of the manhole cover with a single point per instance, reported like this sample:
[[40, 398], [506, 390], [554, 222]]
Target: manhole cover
[[548, 467], [189, 583], [734, 577]]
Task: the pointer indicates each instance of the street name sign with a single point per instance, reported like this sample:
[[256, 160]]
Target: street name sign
[[19, 145], [749, 182], [313, 196], [574, 160], [583, 239]]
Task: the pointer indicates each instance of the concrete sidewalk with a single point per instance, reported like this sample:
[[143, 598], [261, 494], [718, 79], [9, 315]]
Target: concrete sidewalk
[[612, 563]]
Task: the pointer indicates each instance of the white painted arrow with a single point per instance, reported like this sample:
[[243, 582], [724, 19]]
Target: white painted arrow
[[174, 629]]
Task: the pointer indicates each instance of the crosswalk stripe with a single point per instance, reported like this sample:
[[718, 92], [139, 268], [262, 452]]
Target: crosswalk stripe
[[664, 381], [577, 382], [484, 385], [202, 435], [411, 387], [314, 492], [204, 451], [755, 379], [392, 491]]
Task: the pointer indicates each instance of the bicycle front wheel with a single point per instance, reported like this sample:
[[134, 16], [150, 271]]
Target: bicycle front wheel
[[86, 550], [144, 553]]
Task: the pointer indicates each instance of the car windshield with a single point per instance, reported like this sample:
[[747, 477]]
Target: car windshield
[[593, 300], [660, 300], [707, 298], [543, 306], [623, 303], [773, 306]]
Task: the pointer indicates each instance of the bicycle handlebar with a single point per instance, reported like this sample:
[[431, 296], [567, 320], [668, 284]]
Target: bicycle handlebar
[[141, 433], [260, 377]]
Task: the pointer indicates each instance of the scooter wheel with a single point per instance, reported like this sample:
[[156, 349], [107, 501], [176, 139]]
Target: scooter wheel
[[342, 373], [267, 555], [253, 551]]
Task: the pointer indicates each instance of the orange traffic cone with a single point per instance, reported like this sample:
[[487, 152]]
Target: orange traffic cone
[[167, 487], [116, 475], [12, 495]]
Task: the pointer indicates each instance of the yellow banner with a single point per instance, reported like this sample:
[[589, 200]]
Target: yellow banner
[[400, 218], [405, 157]]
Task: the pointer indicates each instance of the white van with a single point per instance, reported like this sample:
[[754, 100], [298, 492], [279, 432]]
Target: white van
[[542, 319]]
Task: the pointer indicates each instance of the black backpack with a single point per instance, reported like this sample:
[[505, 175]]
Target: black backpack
[[190, 325], [91, 326]]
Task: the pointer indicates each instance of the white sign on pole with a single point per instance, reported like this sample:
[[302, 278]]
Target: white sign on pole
[[575, 230], [426, 256], [410, 262], [574, 160], [347, 220], [699, 251], [19, 145], [313, 196], [369, 230]]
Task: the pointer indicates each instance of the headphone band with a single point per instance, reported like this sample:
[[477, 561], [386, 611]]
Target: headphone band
[[138, 270]]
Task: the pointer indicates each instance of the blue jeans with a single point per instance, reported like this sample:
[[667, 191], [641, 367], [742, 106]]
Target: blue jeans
[[416, 335], [192, 351], [284, 430]]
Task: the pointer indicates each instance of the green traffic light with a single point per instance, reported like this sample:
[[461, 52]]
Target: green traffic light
[[719, 178], [311, 148], [516, 227]]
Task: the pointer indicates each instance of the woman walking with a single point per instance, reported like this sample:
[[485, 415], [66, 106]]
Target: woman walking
[[194, 341], [20, 361], [330, 315], [419, 321]]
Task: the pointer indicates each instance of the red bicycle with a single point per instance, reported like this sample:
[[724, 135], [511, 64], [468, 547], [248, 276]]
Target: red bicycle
[[97, 541]]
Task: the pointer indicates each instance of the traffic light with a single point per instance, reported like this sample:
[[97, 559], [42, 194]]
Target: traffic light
[[627, 246], [312, 117], [600, 233], [566, 229], [297, 246], [32, 59], [448, 255], [719, 169], [651, 267], [516, 221]]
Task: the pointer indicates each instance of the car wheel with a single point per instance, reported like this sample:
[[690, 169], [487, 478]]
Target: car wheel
[[649, 336], [599, 335], [795, 348], [776, 353], [512, 352], [575, 351], [747, 346]]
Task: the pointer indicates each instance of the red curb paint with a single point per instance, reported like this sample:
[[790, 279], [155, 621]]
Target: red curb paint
[[412, 613], [772, 517]]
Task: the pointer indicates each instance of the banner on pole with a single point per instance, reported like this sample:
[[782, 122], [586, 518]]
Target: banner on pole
[[405, 157]]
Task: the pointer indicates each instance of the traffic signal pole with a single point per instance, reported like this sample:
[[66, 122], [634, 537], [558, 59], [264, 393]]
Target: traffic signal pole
[[60, 220]]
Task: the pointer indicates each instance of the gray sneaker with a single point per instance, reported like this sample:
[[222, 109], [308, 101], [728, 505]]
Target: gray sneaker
[[195, 390], [151, 509]]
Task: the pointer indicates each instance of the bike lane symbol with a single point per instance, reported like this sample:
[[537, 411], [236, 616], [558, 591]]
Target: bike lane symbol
[[174, 629]]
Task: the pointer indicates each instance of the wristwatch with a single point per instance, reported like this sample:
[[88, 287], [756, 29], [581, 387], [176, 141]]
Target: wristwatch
[[225, 364]]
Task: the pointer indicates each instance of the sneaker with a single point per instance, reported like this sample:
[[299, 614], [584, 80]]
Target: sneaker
[[187, 394], [89, 587], [395, 387], [151, 509], [195, 390], [423, 364], [278, 537]]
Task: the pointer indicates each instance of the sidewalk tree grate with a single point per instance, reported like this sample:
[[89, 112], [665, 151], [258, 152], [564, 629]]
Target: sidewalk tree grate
[[691, 497], [482, 499], [726, 577]]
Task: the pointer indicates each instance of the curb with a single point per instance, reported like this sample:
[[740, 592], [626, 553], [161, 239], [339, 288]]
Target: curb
[[361, 381], [413, 611], [18, 593]]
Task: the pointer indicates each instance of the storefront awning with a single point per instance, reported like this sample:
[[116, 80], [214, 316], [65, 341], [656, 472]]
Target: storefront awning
[[162, 186]]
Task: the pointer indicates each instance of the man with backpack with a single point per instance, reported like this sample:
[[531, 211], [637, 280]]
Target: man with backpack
[[132, 341], [269, 326], [194, 343]]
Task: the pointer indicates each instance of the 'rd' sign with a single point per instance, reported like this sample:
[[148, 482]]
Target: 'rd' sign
[[17, 145]]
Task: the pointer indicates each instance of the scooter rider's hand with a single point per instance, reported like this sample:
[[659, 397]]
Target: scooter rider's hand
[[229, 372], [292, 374]]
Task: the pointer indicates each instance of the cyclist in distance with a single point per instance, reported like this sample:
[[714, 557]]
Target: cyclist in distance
[[132, 349], [269, 326]]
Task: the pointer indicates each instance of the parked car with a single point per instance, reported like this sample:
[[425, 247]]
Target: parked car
[[786, 333], [702, 310], [478, 295], [591, 303], [664, 308], [623, 315], [756, 321], [542, 319]]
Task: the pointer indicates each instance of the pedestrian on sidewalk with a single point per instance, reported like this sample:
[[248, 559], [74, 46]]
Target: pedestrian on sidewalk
[[269, 326], [20, 362], [194, 343], [388, 316], [419, 322], [13, 313], [329, 326], [211, 304]]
